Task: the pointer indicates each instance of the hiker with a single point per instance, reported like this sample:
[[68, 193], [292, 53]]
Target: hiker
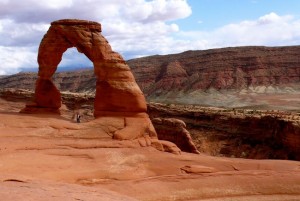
[[78, 118]]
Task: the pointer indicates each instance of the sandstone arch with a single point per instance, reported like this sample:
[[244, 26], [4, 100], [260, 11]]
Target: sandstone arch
[[117, 94], [116, 89]]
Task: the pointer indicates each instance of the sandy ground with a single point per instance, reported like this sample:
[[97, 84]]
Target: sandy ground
[[49, 157]]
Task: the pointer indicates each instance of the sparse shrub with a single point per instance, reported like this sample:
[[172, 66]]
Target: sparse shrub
[[244, 154]]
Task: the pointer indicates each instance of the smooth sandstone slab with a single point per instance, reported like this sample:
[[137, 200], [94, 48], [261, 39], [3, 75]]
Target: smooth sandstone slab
[[46, 156]]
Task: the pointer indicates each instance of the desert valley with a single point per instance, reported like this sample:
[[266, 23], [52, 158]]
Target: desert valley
[[211, 125]]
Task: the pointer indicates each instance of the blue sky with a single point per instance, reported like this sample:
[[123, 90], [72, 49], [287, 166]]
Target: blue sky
[[211, 14], [136, 28]]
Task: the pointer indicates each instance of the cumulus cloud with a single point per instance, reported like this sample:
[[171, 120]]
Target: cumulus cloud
[[21, 34], [268, 30], [128, 24], [137, 10], [14, 58], [133, 27]]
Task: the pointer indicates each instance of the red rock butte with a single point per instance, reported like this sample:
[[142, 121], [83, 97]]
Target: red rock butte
[[117, 93]]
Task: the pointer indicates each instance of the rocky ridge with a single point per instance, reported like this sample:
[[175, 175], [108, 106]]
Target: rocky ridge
[[221, 69], [229, 77], [262, 77], [83, 81]]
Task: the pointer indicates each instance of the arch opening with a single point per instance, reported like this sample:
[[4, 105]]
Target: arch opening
[[73, 59]]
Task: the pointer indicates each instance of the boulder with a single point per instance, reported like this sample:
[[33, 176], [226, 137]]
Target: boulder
[[174, 130]]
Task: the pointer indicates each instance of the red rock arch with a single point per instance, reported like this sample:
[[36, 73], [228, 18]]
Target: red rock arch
[[116, 89], [118, 97]]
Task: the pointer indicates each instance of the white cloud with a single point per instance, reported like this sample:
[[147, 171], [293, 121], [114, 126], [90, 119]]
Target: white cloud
[[14, 58], [270, 18], [168, 10], [21, 34], [55, 4], [268, 30], [98, 10], [125, 24]]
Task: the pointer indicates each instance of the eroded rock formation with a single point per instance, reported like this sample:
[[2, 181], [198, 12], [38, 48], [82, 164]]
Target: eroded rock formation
[[221, 69], [116, 89], [117, 94], [258, 134], [174, 130]]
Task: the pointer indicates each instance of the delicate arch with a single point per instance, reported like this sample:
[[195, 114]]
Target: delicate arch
[[116, 89]]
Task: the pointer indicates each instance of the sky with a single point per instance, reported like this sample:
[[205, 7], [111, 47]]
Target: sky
[[137, 28]]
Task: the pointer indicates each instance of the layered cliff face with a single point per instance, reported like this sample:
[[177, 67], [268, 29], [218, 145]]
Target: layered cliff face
[[226, 68], [18, 81], [230, 77], [73, 81], [76, 81]]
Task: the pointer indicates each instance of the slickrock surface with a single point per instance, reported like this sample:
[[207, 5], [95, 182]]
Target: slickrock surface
[[49, 157], [38, 190]]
